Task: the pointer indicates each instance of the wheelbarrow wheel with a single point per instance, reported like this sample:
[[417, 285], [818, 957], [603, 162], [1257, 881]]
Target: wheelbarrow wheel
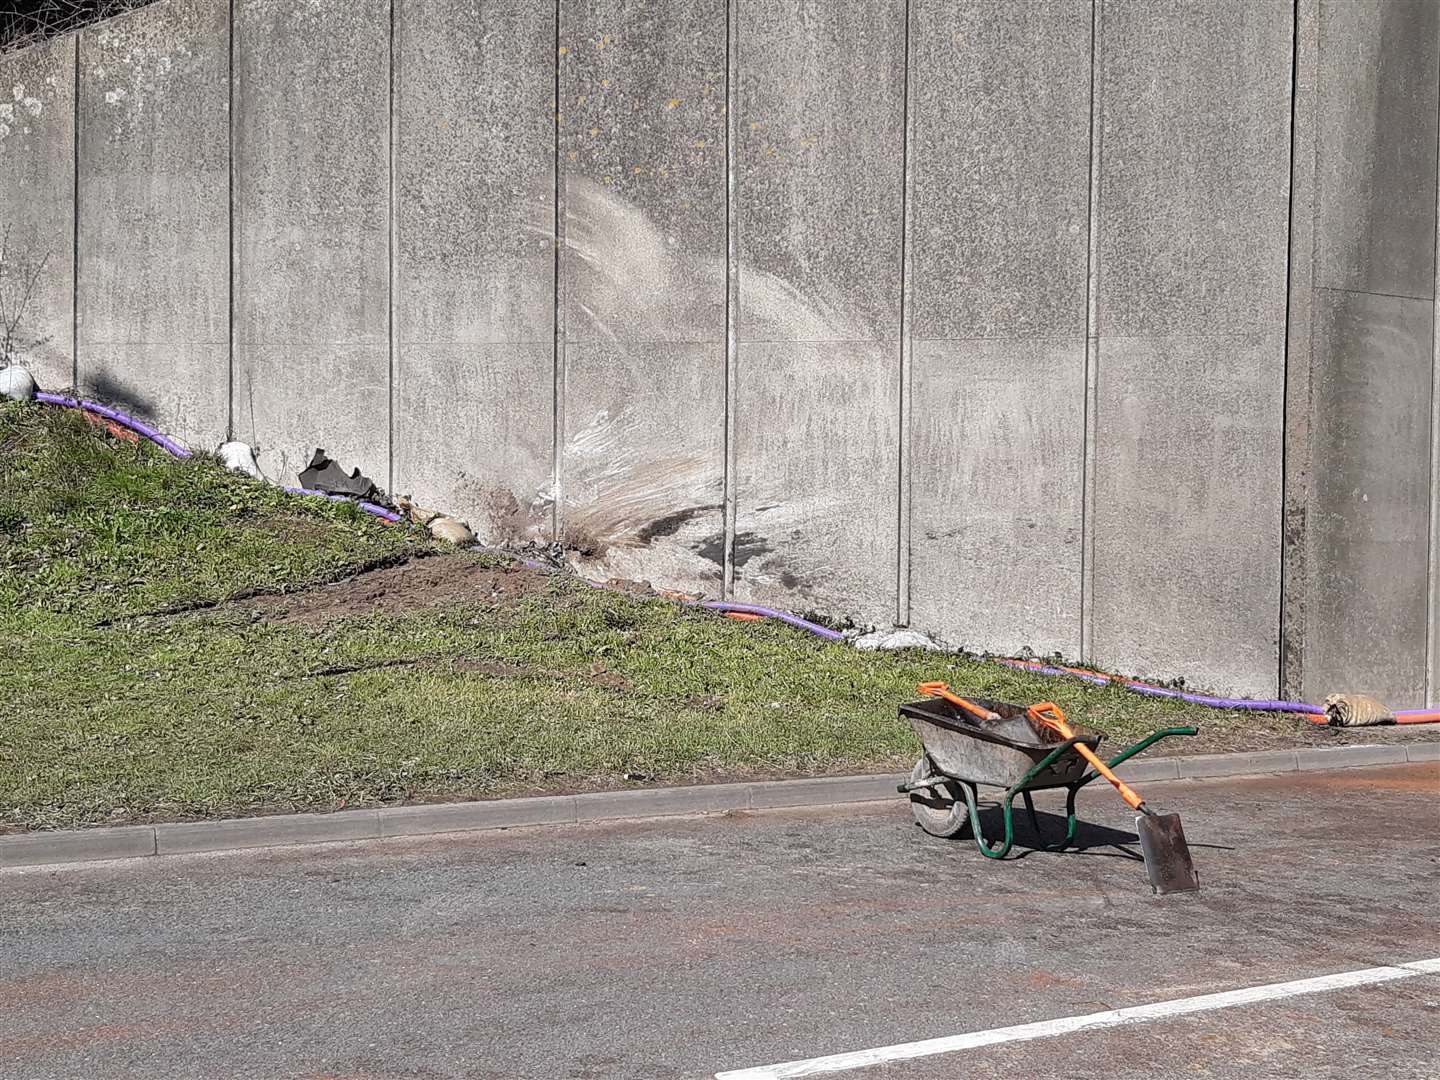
[[938, 810]]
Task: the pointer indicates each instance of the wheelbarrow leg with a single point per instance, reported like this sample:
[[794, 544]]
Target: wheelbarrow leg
[[986, 849], [1030, 810], [1071, 823]]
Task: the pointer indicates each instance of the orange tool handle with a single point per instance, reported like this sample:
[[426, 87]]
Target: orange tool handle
[[1048, 714], [942, 690]]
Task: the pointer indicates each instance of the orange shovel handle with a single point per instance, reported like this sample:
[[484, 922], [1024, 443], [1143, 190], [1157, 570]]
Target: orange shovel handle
[[942, 690], [1048, 714]]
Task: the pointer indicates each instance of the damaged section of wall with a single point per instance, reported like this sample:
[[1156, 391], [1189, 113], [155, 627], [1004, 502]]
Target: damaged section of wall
[[312, 232], [37, 198], [153, 293], [642, 289], [474, 261]]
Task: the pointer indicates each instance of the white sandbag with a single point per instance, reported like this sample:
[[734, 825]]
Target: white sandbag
[[16, 383], [239, 457]]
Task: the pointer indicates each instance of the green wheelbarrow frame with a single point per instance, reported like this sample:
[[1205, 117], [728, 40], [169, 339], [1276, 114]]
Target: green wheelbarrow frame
[[1023, 788]]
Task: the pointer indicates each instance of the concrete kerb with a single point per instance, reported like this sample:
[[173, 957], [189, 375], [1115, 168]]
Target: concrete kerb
[[131, 841]]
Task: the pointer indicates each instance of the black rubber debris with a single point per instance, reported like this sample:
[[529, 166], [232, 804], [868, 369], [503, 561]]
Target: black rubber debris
[[322, 474]]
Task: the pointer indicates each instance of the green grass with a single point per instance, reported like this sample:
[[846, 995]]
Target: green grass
[[117, 713]]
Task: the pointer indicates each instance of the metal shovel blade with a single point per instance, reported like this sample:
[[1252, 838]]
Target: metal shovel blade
[[1167, 856]]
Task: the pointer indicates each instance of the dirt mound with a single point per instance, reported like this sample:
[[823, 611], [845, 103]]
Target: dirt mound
[[437, 581]]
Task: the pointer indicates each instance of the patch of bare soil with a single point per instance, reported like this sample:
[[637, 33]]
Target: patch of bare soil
[[435, 582], [636, 590]]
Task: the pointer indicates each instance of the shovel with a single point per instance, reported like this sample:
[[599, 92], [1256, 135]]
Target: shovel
[[1162, 840]]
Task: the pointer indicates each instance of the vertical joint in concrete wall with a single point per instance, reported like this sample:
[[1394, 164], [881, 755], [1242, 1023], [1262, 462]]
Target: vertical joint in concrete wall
[[557, 416], [1092, 342], [902, 523], [1296, 398], [732, 292]]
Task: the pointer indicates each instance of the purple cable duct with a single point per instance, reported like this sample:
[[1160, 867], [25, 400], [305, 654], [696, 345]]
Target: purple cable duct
[[137, 426], [1041, 669], [368, 507], [772, 613], [1239, 704]]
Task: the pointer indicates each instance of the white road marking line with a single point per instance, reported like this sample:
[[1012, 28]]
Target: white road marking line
[[1065, 1025]]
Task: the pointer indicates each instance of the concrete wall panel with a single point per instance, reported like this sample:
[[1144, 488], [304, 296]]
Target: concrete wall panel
[[474, 274], [995, 530], [818, 189], [1369, 518], [1358, 611], [819, 178], [37, 176], [312, 199], [473, 434], [1001, 159], [1193, 235], [1195, 167], [643, 286], [1187, 510], [1432, 693], [818, 460], [1000, 240], [644, 463], [1375, 146], [154, 272]]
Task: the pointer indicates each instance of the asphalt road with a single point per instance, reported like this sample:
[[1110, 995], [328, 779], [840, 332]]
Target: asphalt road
[[686, 947]]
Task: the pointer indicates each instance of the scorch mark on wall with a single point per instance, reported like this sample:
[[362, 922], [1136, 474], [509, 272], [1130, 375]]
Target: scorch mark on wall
[[642, 492]]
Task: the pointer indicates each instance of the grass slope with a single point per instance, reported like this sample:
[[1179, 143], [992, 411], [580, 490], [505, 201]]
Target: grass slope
[[114, 712]]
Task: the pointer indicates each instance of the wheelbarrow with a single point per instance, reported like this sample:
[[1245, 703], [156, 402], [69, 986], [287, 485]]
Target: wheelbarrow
[[1013, 753]]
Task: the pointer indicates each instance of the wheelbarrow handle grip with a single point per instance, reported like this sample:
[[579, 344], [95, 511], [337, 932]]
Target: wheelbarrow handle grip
[[1048, 714]]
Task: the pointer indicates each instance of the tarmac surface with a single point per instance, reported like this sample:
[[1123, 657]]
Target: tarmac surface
[[683, 947]]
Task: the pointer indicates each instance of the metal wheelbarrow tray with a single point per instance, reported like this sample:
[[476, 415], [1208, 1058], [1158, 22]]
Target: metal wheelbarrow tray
[[963, 754]]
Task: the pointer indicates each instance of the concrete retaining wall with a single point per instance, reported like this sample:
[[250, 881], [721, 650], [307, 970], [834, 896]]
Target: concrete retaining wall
[[1092, 327]]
